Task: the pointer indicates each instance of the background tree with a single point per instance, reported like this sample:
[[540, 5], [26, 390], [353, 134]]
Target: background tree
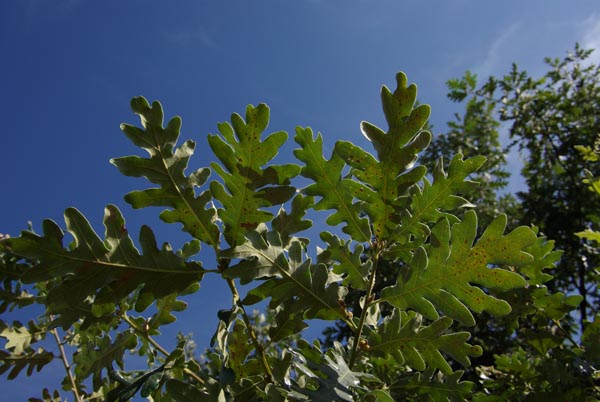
[[547, 118]]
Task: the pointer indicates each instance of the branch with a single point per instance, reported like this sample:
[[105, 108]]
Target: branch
[[364, 312], [66, 363], [159, 347], [259, 349]]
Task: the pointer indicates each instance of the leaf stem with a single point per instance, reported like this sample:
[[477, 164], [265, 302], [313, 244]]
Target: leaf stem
[[364, 312], [159, 347], [259, 348], [566, 333], [66, 364]]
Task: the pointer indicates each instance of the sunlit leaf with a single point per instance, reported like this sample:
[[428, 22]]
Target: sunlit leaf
[[450, 276], [248, 186], [166, 167], [335, 191]]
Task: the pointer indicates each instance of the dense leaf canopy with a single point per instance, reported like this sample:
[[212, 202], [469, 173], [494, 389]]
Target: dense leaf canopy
[[414, 224]]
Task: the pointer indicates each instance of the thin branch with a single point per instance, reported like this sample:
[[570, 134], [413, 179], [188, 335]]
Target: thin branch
[[566, 333], [159, 347], [364, 312], [259, 348], [66, 364]]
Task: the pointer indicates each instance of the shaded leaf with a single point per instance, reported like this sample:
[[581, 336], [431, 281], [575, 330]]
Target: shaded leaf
[[54, 397], [290, 276], [434, 385], [92, 358], [329, 377], [147, 384], [288, 224], [287, 322], [421, 347], [31, 360], [184, 392], [12, 293], [105, 271], [345, 262]]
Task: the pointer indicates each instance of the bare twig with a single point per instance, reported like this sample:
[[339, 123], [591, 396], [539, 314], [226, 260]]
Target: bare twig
[[159, 347], [66, 364]]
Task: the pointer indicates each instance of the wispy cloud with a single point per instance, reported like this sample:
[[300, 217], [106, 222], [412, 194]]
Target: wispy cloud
[[32, 11], [191, 37], [590, 37], [497, 51]]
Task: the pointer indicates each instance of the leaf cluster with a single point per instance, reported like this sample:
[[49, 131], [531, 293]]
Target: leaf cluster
[[384, 209]]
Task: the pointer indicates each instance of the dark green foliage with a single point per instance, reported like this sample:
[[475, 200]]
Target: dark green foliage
[[553, 122], [548, 118], [98, 274]]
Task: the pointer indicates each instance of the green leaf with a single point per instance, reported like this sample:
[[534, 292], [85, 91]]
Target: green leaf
[[20, 337], [435, 386], [544, 257], [346, 263], [287, 322], [289, 276], [92, 358], [166, 167], [184, 392], [329, 374], [384, 181], [289, 224], [102, 272], [32, 360], [164, 307], [447, 280], [336, 193], [591, 235], [430, 203], [248, 186], [419, 347]]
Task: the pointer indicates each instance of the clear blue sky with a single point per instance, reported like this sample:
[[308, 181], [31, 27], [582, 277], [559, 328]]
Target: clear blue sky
[[69, 67]]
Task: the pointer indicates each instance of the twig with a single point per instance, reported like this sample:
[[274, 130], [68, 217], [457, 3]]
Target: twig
[[159, 347], [66, 364], [364, 312], [259, 349]]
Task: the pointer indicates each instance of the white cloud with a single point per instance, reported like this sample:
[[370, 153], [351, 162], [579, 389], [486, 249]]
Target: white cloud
[[497, 51], [591, 37], [197, 36]]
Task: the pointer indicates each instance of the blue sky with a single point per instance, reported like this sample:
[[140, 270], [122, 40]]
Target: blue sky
[[69, 67]]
